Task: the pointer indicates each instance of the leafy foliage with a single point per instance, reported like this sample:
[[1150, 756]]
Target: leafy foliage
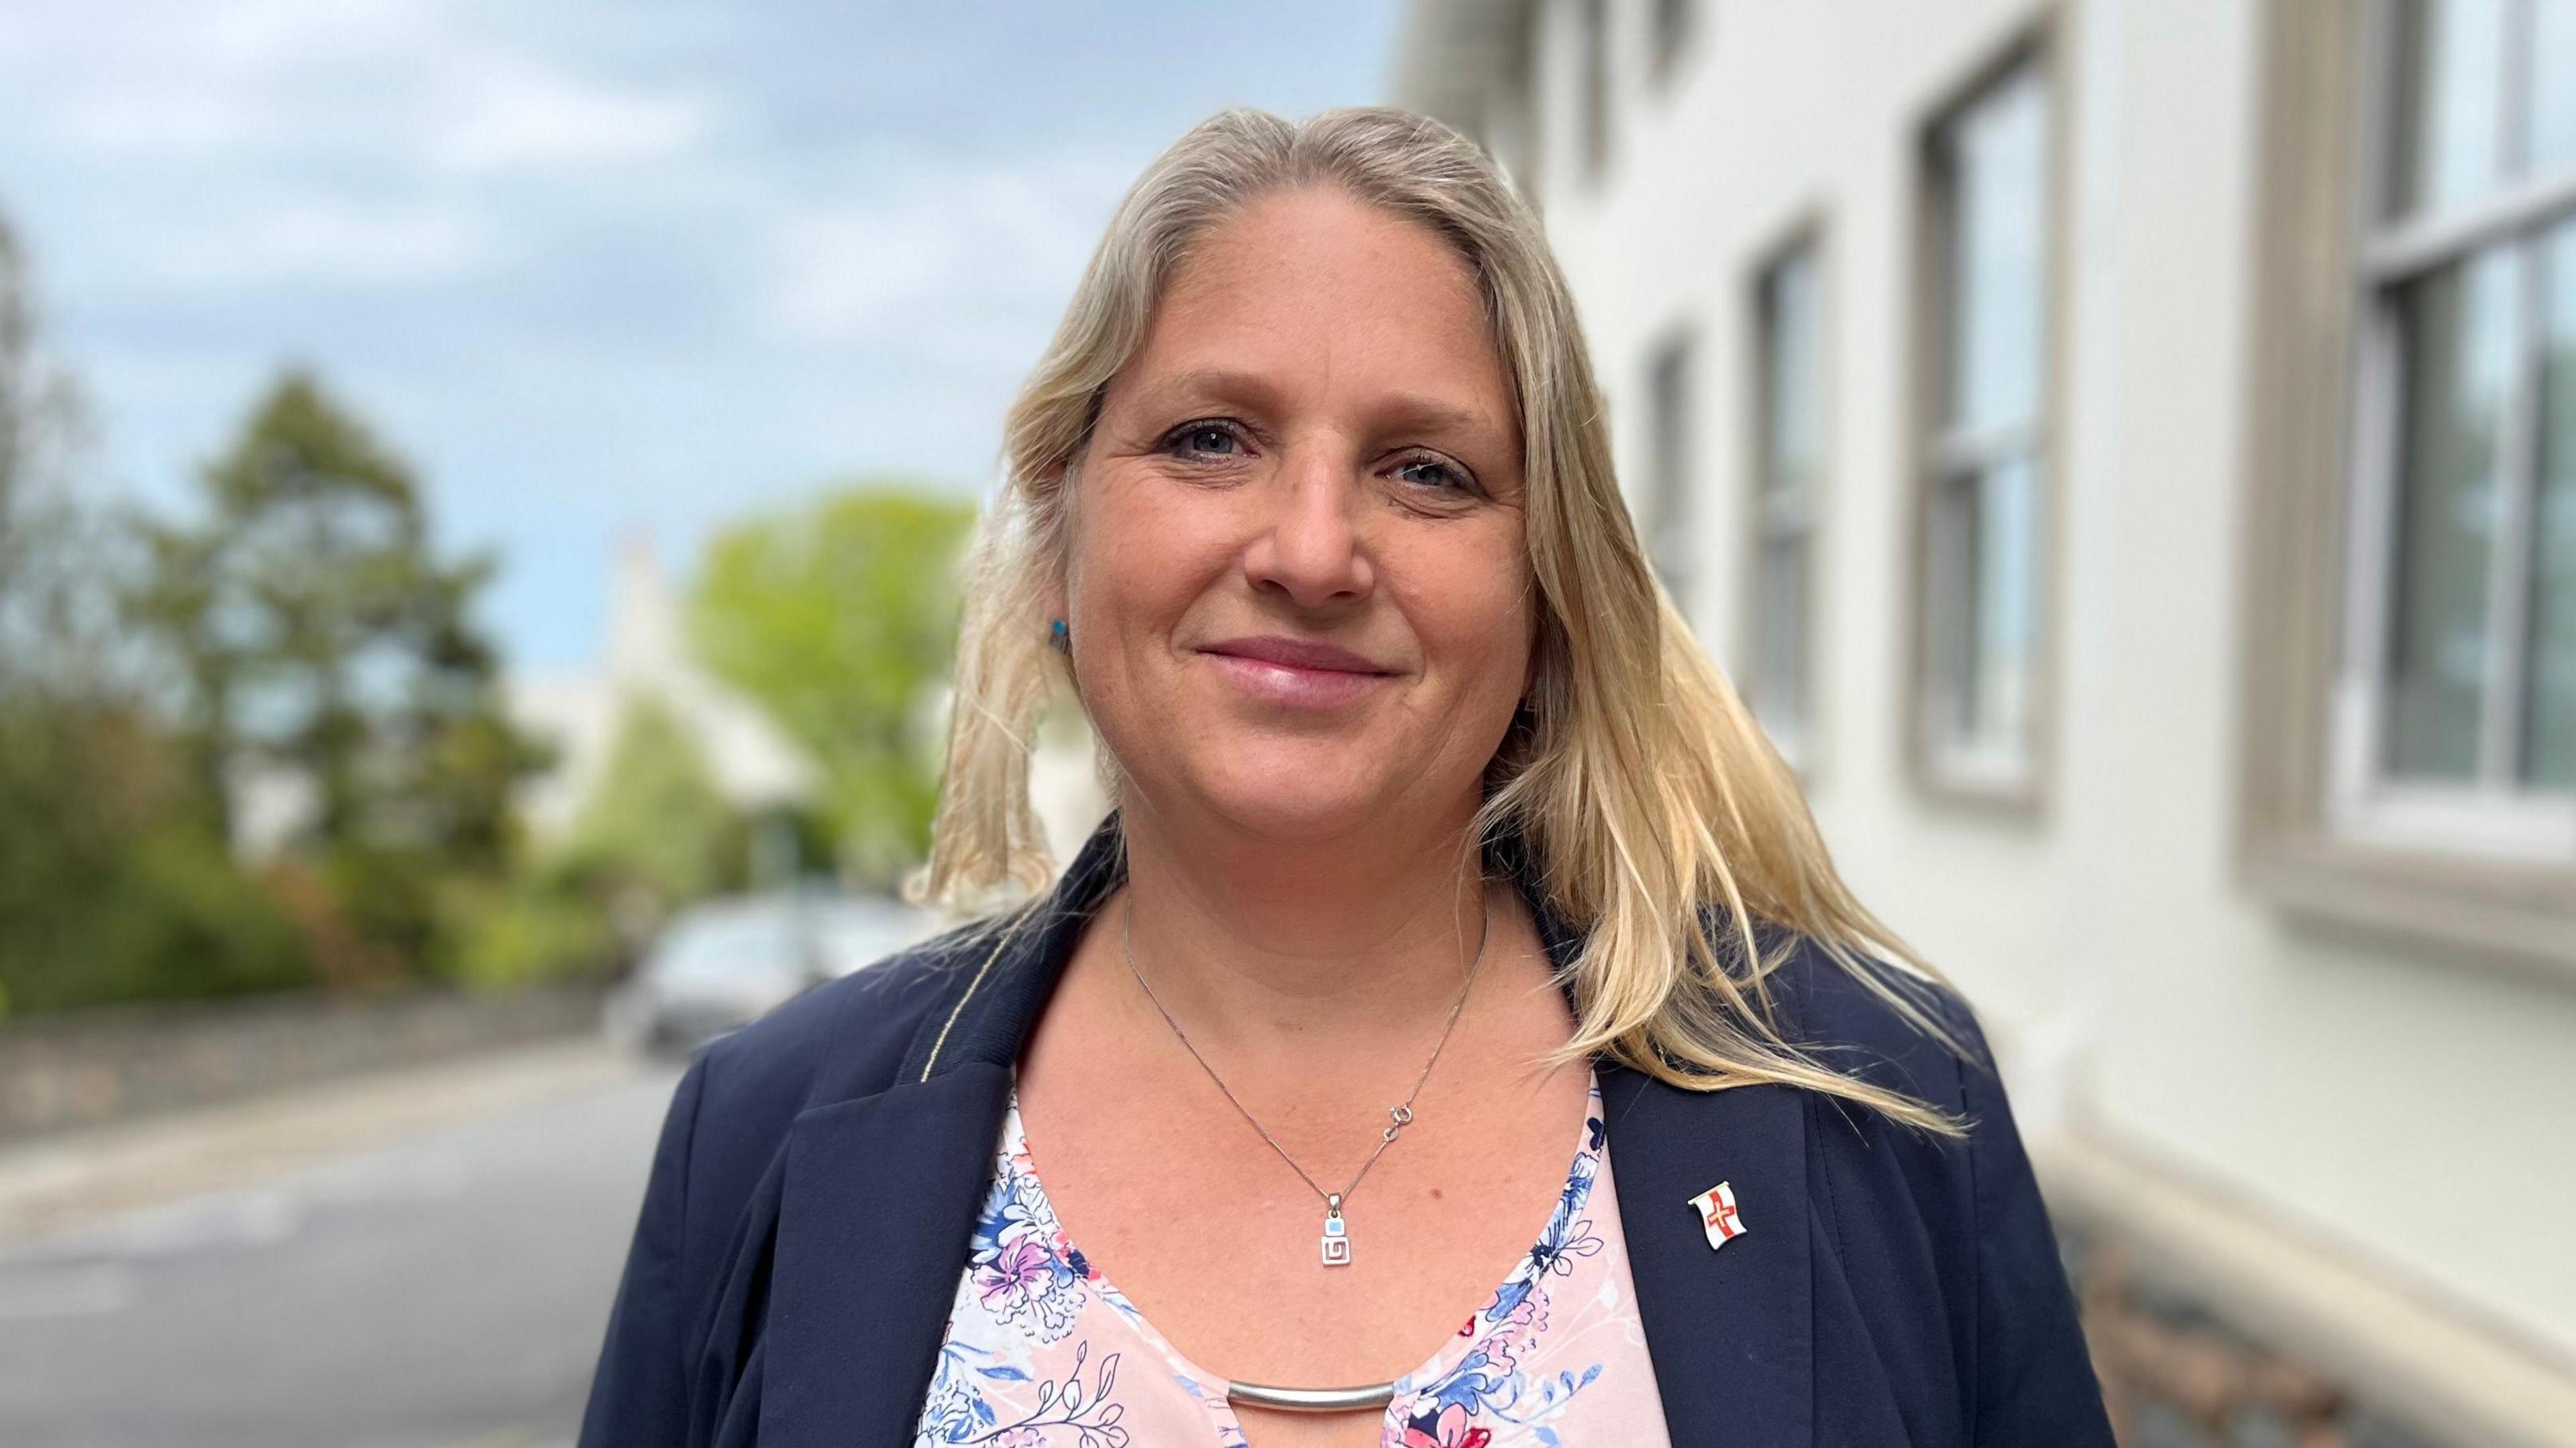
[[111, 889], [657, 822], [840, 618], [323, 654], [114, 885]]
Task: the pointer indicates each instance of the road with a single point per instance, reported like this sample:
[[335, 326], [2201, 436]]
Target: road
[[443, 1284]]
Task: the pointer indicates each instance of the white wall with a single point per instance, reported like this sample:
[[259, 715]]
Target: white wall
[[2381, 1097]]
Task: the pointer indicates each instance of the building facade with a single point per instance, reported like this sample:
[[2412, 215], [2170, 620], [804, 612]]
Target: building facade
[[752, 762], [2125, 453]]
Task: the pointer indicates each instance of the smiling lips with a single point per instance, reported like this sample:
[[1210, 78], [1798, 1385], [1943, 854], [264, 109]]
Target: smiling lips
[[1295, 673]]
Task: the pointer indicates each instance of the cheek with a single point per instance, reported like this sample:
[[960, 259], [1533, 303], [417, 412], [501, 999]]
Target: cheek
[[1137, 564], [1117, 557], [1471, 615]]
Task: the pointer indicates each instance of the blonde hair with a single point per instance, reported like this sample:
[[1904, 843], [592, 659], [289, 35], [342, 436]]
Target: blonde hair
[[1649, 799]]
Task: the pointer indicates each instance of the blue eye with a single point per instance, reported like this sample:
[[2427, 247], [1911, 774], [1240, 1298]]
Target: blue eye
[[1204, 437], [1431, 472]]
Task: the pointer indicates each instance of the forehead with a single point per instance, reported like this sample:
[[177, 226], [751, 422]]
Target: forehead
[[1331, 297]]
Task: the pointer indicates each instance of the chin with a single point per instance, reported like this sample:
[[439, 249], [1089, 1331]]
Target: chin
[[1294, 794]]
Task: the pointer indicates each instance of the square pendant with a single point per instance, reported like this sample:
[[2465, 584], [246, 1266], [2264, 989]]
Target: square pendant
[[1337, 1243]]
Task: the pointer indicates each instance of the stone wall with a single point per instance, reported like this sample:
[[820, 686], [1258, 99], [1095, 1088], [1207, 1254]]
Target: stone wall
[[85, 1068], [2177, 1373]]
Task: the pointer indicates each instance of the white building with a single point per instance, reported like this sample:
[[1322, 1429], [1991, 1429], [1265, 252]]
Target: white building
[[2127, 451], [755, 765]]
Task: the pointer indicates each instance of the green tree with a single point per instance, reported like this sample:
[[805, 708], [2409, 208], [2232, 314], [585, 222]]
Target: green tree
[[657, 822], [55, 620], [111, 885], [840, 617], [321, 643]]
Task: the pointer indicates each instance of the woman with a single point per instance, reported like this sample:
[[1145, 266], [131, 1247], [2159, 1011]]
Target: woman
[[1457, 1033]]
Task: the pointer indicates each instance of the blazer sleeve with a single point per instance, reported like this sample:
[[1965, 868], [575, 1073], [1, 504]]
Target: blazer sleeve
[[2035, 1384], [639, 1395]]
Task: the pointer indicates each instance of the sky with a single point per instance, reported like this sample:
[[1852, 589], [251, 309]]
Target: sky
[[599, 267]]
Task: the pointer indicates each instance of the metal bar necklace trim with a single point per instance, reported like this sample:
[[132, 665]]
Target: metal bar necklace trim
[[1310, 1400]]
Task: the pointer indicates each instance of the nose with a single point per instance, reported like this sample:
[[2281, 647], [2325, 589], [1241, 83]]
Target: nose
[[1308, 546]]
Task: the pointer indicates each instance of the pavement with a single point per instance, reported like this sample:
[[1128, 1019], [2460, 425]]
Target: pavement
[[417, 1259]]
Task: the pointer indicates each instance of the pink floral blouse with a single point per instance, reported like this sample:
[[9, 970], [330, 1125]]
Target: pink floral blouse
[[1042, 1352]]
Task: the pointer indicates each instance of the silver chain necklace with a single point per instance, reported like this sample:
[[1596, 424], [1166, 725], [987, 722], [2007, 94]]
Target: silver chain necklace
[[1336, 1245]]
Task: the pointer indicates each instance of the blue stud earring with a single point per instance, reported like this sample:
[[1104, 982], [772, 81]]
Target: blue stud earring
[[1060, 638]]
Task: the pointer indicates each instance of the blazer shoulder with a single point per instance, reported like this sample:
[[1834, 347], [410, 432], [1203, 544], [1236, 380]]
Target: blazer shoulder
[[712, 1192], [849, 1035], [1874, 1019], [1989, 1281]]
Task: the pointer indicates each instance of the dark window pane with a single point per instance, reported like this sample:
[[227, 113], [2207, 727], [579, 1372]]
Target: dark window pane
[[1950, 641], [1995, 159], [1780, 649], [1593, 105], [2007, 609], [1672, 28], [2550, 61], [2549, 707], [2450, 56], [1669, 517], [1791, 442], [1984, 621], [2458, 328], [1792, 415]]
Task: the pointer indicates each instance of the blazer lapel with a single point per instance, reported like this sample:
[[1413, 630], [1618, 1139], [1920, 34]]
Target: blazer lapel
[[880, 1190], [1732, 1332], [875, 1212]]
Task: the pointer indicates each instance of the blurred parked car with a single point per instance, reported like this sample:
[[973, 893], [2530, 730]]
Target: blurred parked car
[[725, 963]]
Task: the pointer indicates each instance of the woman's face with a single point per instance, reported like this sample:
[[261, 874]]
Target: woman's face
[[1296, 583]]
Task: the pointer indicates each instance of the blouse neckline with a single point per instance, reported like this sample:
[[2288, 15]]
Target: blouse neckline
[[1567, 1235]]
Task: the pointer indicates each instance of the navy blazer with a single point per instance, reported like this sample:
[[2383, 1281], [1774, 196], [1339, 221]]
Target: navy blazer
[[810, 1203]]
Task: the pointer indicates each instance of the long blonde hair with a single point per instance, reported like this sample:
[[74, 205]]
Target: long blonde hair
[[1649, 798]]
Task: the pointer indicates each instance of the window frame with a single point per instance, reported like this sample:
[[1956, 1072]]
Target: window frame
[[2021, 785], [1596, 26], [2492, 815], [2309, 372], [1670, 509], [1807, 240], [1672, 33]]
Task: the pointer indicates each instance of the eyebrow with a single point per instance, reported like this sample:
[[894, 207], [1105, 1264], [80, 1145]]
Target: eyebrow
[[1412, 412], [1222, 384]]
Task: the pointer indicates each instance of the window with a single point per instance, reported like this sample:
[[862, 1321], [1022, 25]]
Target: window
[[1592, 102], [1788, 437], [1985, 459], [1669, 518], [2403, 466], [1672, 22], [2456, 690]]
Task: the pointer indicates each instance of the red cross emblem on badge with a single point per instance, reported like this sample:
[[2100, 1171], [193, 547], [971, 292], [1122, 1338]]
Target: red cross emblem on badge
[[1716, 1208]]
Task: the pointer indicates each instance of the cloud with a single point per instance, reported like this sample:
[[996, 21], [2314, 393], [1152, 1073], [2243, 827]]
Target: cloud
[[313, 239], [282, 82], [959, 258], [269, 36], [506, 113], [189, 80]]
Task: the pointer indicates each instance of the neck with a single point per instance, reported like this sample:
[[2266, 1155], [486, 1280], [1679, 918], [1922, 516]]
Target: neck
[[1366, 934]]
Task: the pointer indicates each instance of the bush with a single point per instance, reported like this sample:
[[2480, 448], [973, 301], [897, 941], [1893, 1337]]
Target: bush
[[526, 931], [172, 918], [112, 885]]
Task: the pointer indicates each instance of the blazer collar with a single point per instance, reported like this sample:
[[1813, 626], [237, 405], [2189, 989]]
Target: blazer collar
[[881, 1187]]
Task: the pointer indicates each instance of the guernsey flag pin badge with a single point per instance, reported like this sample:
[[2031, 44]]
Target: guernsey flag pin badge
[[1716, 1208]]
